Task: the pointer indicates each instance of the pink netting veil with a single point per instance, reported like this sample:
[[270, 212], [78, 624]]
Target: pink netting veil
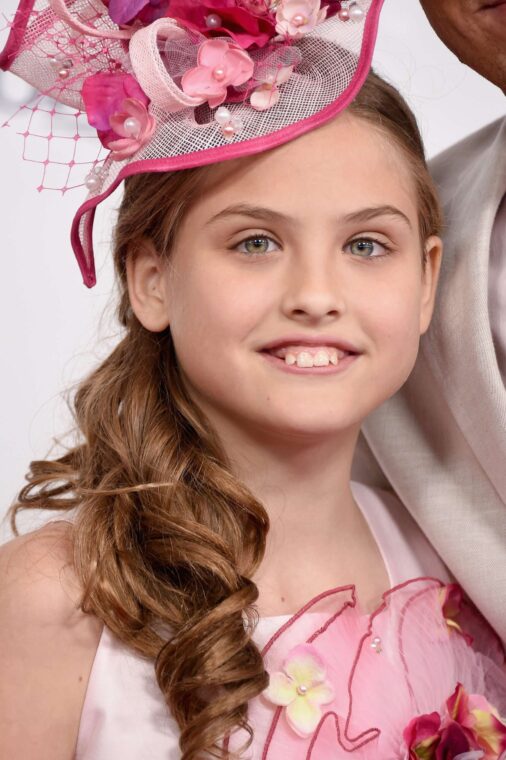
[[174, 84]]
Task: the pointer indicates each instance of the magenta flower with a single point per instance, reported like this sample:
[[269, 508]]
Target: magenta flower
[[212, 17], [469, 724], [117, 107], [125, 11], [220, 64]]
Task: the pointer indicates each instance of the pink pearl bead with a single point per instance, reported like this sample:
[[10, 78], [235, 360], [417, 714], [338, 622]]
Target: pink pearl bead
[[299, 20], [63, 73], [213, 21], [344, 14], [219, 74], [228, 130]]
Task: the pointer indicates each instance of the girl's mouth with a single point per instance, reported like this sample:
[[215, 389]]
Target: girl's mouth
[[310, 359]]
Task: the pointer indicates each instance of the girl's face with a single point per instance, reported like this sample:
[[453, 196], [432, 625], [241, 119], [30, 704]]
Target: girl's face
[[289, 259]]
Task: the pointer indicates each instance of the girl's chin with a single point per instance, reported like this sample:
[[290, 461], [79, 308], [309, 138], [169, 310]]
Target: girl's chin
[[307, 427]]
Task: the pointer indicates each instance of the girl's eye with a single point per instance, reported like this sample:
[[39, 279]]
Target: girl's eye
[[257, 244], [368, 248]]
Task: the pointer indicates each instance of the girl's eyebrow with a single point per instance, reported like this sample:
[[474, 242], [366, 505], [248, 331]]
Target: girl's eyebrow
[[245, 209], [268, 214], [366, 214]]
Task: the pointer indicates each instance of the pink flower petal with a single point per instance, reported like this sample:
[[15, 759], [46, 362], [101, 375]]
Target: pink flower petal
[[303, 716], [123, 148], [284, 74], [239, 66], [212, 52], [264, 97], [217, 100], [321, 694], [305, 665], [200, 83], [117, 121], [136, 109], [281, 690]]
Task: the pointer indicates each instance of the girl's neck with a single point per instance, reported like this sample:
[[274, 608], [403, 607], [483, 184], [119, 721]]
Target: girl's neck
[[318, 537]]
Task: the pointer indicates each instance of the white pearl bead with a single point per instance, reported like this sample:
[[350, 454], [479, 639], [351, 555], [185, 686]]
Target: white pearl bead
[[91, 181], [222, 115], [213, 21], [132, 126], [356, 13], [236, 123]]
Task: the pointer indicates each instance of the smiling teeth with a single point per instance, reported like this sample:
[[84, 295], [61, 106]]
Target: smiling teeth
[[305, 359]]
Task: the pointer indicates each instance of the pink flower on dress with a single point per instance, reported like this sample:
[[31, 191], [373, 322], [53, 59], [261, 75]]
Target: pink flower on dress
[[469, 728], [117, 107], [267, 95], [301, 687], [220, 64], [295, 18], [218, 17]]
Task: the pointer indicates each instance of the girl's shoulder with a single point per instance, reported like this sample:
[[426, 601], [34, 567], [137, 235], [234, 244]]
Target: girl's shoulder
[[47, 645]]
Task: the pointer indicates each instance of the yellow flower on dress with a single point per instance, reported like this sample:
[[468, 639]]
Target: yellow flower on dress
[[301, 687]]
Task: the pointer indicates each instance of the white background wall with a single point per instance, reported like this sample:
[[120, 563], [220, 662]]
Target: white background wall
[[53, 329]]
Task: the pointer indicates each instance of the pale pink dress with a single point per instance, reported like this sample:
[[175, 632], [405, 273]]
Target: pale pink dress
[[125, 718]]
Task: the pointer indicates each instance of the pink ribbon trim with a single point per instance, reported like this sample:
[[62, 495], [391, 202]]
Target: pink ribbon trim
[[150, 70]]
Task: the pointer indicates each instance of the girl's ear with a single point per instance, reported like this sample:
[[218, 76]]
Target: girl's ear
[[430, 277], [148, 286]]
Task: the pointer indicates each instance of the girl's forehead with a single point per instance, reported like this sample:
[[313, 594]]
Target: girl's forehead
[[347, 162]]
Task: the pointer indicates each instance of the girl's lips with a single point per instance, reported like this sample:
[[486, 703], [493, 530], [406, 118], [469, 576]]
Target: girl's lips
[[310, 341], [295, 370]]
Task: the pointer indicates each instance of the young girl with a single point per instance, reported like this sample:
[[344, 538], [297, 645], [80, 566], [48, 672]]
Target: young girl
[[220, 587]]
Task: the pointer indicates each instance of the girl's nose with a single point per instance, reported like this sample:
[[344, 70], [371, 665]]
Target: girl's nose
[[314, 291]]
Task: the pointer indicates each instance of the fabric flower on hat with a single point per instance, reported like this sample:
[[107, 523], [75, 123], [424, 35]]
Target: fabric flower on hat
[[301, 687], [469, 728], [220, 64], [210, 17], [146, 11], [117, 107], [267, 94], [295, 18]]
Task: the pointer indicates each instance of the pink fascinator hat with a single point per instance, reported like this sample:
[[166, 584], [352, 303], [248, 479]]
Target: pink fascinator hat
[[175, 84]]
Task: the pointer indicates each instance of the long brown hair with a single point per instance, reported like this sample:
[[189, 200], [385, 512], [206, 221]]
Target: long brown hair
[[165, 538]]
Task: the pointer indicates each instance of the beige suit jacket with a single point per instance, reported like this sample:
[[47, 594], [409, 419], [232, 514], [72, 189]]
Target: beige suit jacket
[[441, 440]]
